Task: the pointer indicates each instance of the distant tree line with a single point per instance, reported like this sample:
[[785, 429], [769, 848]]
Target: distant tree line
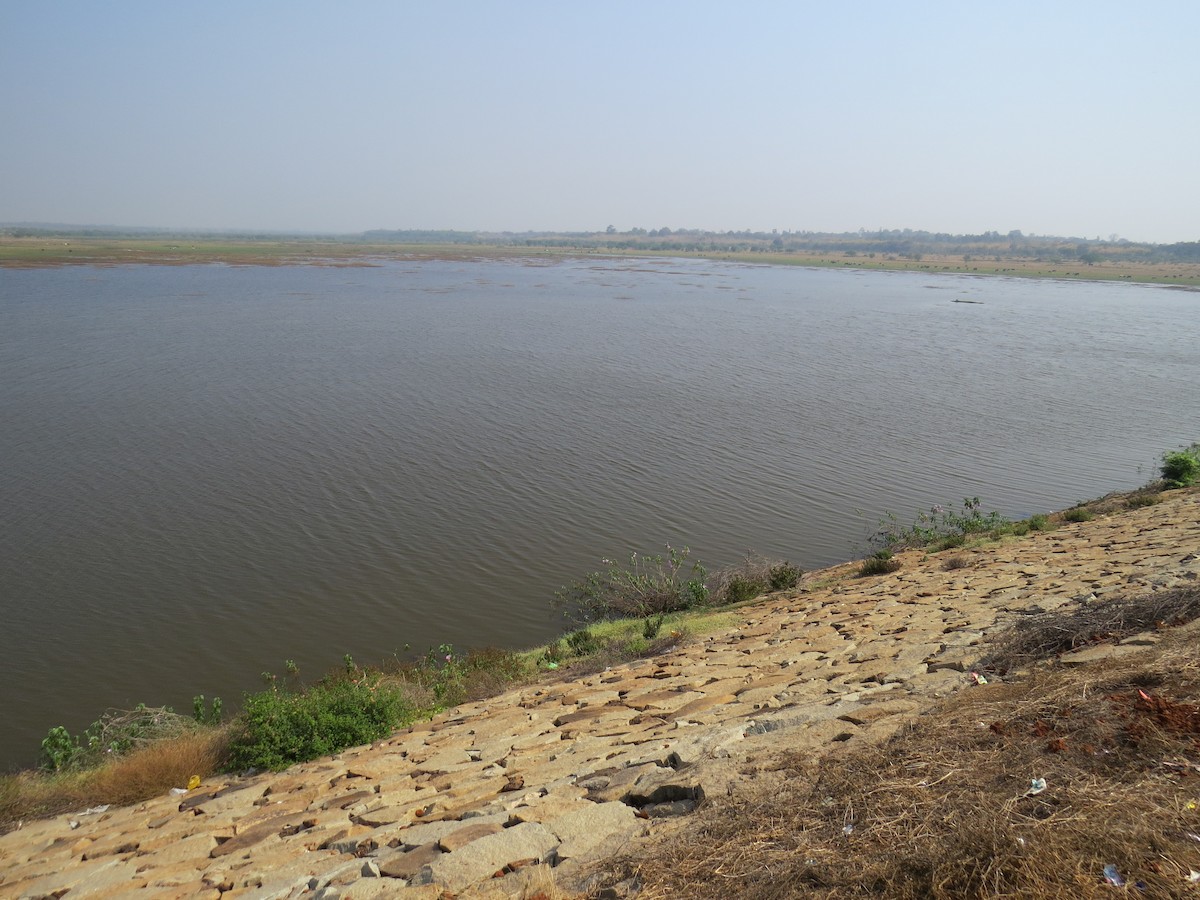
[[906, 243]]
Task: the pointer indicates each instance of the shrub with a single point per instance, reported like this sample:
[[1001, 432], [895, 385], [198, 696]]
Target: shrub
[[652, 626], [115, 733], [210, 715], [784, 576], [940, 528], [648, 586], [949, 542], [583, 642], [488, 671], [880, 564], [958, 561], [1140, 501], [1181, 468], [278, 728], [1078, 514], [741, 589], [1039, 522], [753, 576], [552, 655]]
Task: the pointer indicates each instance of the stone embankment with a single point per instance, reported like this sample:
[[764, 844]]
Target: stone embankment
[[485, 798]]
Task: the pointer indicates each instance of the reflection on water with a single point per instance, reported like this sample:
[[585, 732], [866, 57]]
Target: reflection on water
[[208, 470]]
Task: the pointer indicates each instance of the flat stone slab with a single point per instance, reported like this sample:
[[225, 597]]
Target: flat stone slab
[[489, 856], [1099, 652]]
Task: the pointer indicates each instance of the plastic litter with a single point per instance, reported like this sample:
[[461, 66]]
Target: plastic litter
[[1036, 786], [1112, 876], [848, 829], [551, 665], [90, 811], [976, 678], [178, 792], [193, 782], [1193, 876]]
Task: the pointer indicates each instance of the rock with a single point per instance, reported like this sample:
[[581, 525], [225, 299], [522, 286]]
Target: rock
[[1098, 652], [406, 865], [484, 858], [244, 840], [584, 831], [711, 743], [669, 809], [465, 834]]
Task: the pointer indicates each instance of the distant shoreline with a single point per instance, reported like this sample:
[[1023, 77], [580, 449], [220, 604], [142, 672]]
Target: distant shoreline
[[47, 252]]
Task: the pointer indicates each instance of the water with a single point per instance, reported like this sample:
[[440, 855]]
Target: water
[[208, 470]]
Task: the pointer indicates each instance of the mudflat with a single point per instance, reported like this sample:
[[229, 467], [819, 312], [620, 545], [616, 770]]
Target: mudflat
[[37, 252]]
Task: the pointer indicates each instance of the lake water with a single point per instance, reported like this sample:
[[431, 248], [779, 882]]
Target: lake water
[[208, 470]]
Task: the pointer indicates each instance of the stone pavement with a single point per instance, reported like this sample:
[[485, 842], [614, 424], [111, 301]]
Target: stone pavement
[[479, 801]]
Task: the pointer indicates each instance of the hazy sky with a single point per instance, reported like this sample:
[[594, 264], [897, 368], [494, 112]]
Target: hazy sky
[[1071, 118]]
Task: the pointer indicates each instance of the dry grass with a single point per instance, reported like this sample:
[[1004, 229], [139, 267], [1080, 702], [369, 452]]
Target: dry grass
[[1046, 635], [944, 809], [960, 561], [144, 773]]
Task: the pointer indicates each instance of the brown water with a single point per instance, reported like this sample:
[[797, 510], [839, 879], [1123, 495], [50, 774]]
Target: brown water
[[209, 470]]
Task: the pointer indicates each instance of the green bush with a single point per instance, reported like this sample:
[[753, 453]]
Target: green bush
[[648, 586], [949, 542], [278, 728], [880, 564], [1039, 522], [1078, 514], [741, 589], [207, 715], [651, 626], [1140, 501], [583, 642], [941, 528], [784, 576], [1181, 468], [113, 734]]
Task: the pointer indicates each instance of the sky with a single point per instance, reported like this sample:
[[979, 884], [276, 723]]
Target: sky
[[1066, 118]]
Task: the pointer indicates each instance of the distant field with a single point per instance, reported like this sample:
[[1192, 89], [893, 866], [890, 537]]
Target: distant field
[[36, 252]]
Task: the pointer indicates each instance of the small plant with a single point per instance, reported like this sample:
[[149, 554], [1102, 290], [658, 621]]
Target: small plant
[[442, 672], [949, 542], [1039, 522], [583, 642], [958, 561], [1078, 514], [552, 656], [880, 564], [784, 576], [1181, 468], [649, 585], [652, 626], [209, 716], [59, 749]]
